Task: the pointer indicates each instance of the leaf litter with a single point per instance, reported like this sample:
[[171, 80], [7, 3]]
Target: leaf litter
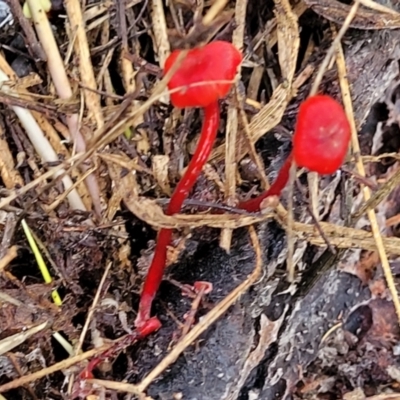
[[331, 334]]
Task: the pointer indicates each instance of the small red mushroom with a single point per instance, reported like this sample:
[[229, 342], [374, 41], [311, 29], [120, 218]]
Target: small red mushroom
[[322, 135], [204, 76], [320, 143]]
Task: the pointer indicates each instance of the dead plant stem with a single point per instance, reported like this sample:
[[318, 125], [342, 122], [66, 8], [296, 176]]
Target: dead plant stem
[[232, 126]]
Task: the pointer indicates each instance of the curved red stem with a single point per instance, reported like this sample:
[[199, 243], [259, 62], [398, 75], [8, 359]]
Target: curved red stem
[[151, 326], [275, 189], [156, 270]]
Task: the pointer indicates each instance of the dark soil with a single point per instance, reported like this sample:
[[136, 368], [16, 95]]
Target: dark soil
[[275, 341]]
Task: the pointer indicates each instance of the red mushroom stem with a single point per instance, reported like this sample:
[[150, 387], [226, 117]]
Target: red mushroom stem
[[253, 205], [156, 270], [138, 334], [214, 65]]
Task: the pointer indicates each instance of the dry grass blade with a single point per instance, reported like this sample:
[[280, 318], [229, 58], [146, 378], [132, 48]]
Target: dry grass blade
[[160, 31], [337, 236], [288, 32], [252, 150], [88, 320], [10, 255], [9, 343], [366, 18], [160, 35], [150, 212], [63, 195], [53, 172], [120, 387], [268, 35], [40, 143], [62, 365], [342, 237], [63, 88], [92, 308], [214, 11], [288, 40], [379, 195], [77, 23], [232, 126], [290, 264], [344, 85], [9, 175]]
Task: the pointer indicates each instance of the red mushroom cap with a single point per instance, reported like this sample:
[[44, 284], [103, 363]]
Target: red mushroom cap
[[217, 61], [322, 135]]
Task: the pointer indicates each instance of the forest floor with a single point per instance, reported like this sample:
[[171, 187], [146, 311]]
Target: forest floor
[[91, 150]]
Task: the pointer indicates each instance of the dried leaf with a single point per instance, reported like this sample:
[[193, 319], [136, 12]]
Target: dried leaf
[[160, 170], [366, 19], [143, 144], [9, 343], [288, 39], [148, 211]]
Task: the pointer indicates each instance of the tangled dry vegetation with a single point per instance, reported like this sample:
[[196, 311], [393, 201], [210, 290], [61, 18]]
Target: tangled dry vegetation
[[91, 150]]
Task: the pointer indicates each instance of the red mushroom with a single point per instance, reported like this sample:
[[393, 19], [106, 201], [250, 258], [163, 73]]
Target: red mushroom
[[322, 135], [320, 144], [204, 76]]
